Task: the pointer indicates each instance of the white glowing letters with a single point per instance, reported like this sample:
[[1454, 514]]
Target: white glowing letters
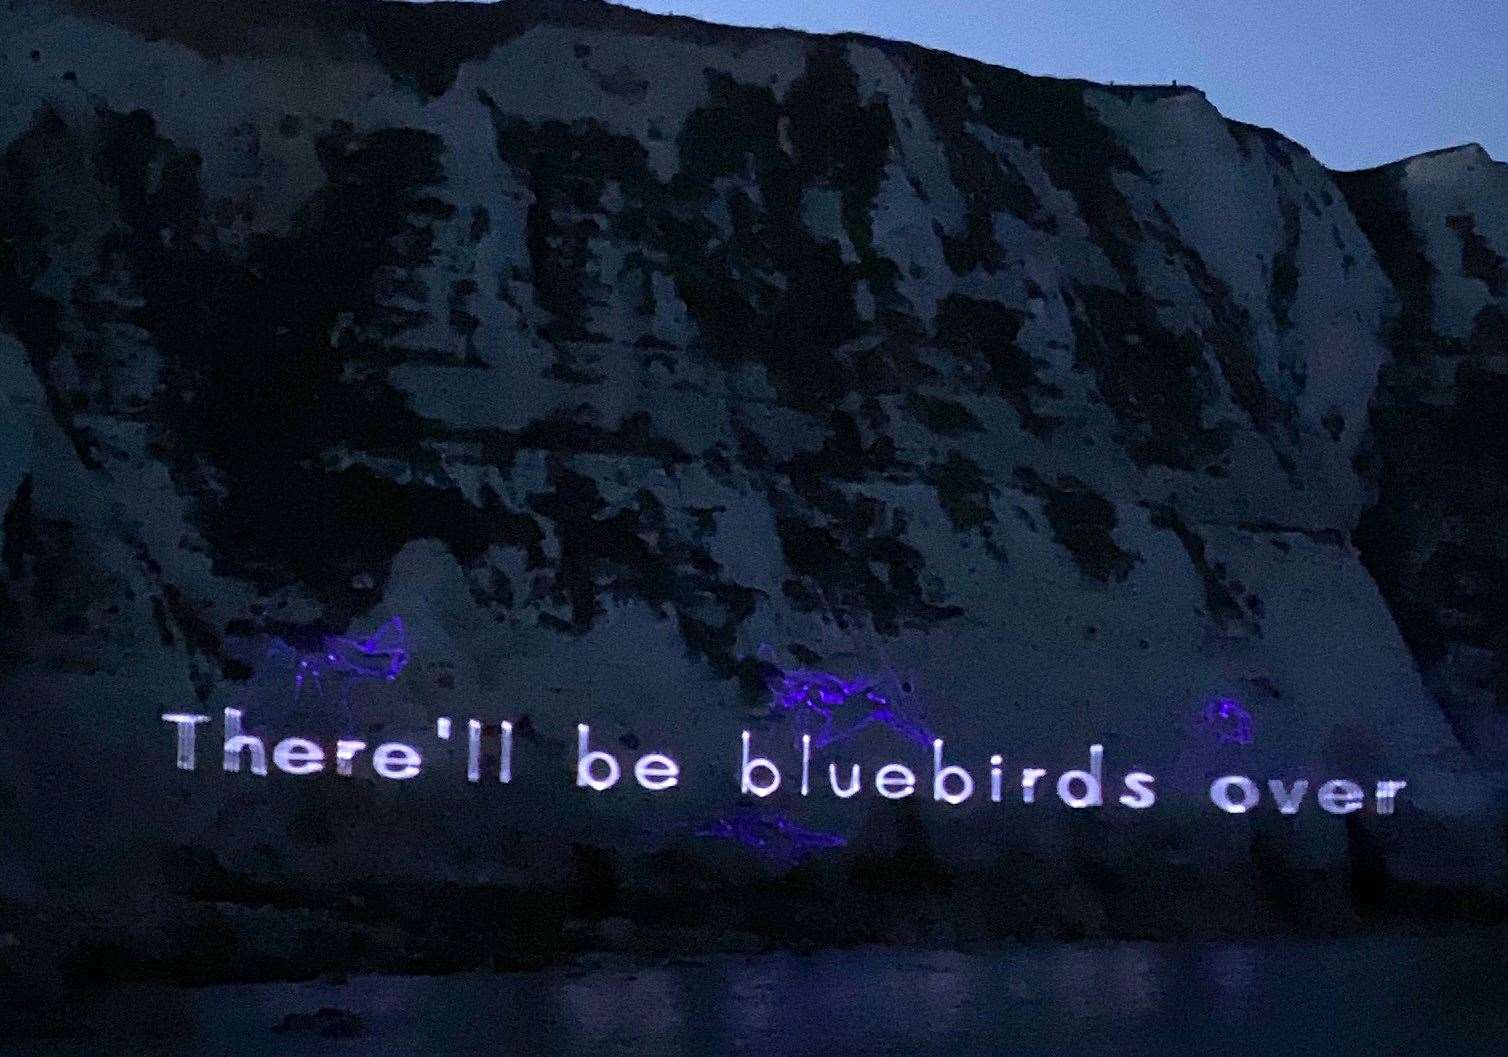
[[760, 776], [940, 776], [295, 756], [1078, 788], [953, 784], [1236, 794], [599, 771]]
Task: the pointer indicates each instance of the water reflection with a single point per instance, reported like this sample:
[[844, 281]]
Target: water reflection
[[1336, 998], [756, 1004], [1231, 973], [636, 1007], [1116, 981]]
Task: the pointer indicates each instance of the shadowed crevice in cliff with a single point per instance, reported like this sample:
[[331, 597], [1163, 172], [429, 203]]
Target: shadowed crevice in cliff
[[1439, 420], [1376, 198], [1285, 267], [50, 594], [1226, 601], [20, 530], [1229, 335]]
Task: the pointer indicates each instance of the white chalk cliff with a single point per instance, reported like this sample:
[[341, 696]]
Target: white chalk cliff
[[629, 360]]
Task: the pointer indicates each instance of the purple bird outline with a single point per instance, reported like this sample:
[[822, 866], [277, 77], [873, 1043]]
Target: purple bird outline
[[1229, 721], [343, 661], [831, 708], [770, 834]]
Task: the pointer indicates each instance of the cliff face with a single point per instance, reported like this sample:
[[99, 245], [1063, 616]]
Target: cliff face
[[633, 361], [1433, 539]]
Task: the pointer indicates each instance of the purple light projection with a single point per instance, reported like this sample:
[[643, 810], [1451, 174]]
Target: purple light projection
[[344, 662], [1229, 722], [1217, 740], [828, 708], [770, 834], [831, 708]]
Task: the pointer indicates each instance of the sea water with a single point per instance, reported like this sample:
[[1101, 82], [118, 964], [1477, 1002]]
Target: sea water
[[1330, 998]]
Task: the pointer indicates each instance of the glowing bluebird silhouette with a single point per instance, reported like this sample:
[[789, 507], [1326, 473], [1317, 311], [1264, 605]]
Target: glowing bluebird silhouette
[[831, 708], [343, 661], [770, 834], [1230, 722]]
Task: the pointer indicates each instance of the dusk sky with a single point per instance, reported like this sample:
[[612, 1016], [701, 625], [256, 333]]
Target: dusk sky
[[1358, 83]]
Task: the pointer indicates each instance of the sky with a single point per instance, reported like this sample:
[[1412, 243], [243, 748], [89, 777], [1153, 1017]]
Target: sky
[[1358, 82]]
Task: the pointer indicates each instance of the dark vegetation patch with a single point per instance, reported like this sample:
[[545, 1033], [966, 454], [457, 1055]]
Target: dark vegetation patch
[[1155, 382], [984, 332], [988, 182], [1478, 259], [262, 382], [1082, 523], [1078, 152], [578, 432], [857, 568], [634, 552], [624, 83], [1376, 199], [767, 291], [835, 141], [839, 141], [567, 167], [843, 456], [1285, 267], [1433, 540], [422, 47], [32, 164], [764, 291], [941, 415], [963, 490], [846, 547]]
